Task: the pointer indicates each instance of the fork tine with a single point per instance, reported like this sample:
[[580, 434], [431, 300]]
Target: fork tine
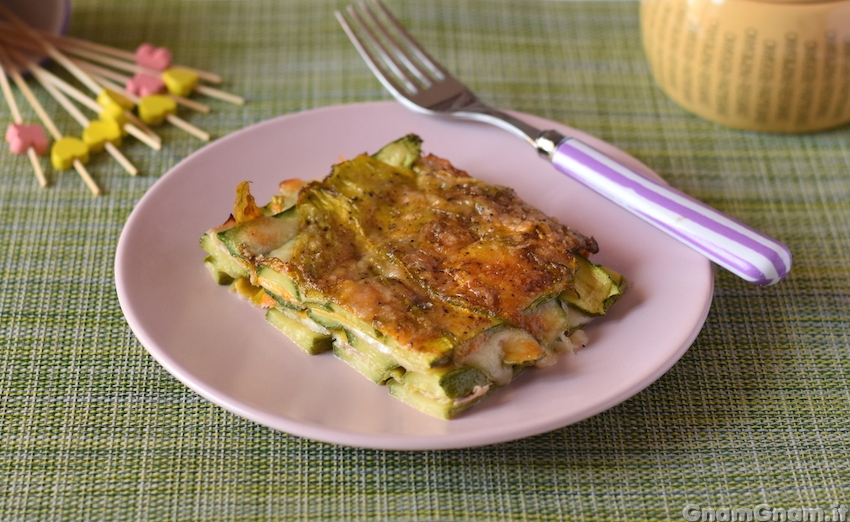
[[403, 66], [422, 56], [401, 56], [383, 62], [390, 83], [399, 62], [372, 43]]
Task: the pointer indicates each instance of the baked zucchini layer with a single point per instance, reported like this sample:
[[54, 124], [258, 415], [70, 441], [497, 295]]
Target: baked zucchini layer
[[426, 280]]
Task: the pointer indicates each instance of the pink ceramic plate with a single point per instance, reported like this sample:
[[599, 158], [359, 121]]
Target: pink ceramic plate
[[223, 349]]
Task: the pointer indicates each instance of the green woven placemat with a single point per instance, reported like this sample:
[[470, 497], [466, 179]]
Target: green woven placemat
[[754, 414]]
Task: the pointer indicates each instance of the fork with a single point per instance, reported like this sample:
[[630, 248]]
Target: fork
[[421, 84]]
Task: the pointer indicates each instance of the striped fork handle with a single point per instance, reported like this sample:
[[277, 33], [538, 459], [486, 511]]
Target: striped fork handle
[[751, 255]]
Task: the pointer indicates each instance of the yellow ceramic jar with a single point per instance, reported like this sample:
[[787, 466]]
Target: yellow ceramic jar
[[765, 65]]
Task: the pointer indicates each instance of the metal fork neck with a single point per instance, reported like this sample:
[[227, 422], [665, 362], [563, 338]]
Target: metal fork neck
[[545, 142]]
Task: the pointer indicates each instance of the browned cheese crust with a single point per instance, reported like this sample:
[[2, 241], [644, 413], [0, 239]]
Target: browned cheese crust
[[429, 255]]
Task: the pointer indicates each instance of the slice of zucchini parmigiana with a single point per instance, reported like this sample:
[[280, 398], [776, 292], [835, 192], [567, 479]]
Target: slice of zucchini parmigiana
[[437, 285]]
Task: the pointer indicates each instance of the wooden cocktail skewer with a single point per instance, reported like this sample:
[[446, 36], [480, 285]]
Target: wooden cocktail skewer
[[126, 55], [67, 88], [137, 69], [127, 61], [145, 136], [75, 113], [72, 68], [132, 57], [16, 117], [118, 77], [141, 131], [148, 60], [138, 128], [65, 42], [170, 118], [51, 127]]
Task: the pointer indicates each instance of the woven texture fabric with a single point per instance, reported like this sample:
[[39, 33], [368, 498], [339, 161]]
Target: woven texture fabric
[[754, 413]]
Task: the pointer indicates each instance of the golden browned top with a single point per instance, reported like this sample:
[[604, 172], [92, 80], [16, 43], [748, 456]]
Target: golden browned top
[[333, 261], [429, 256], [463, 240]]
